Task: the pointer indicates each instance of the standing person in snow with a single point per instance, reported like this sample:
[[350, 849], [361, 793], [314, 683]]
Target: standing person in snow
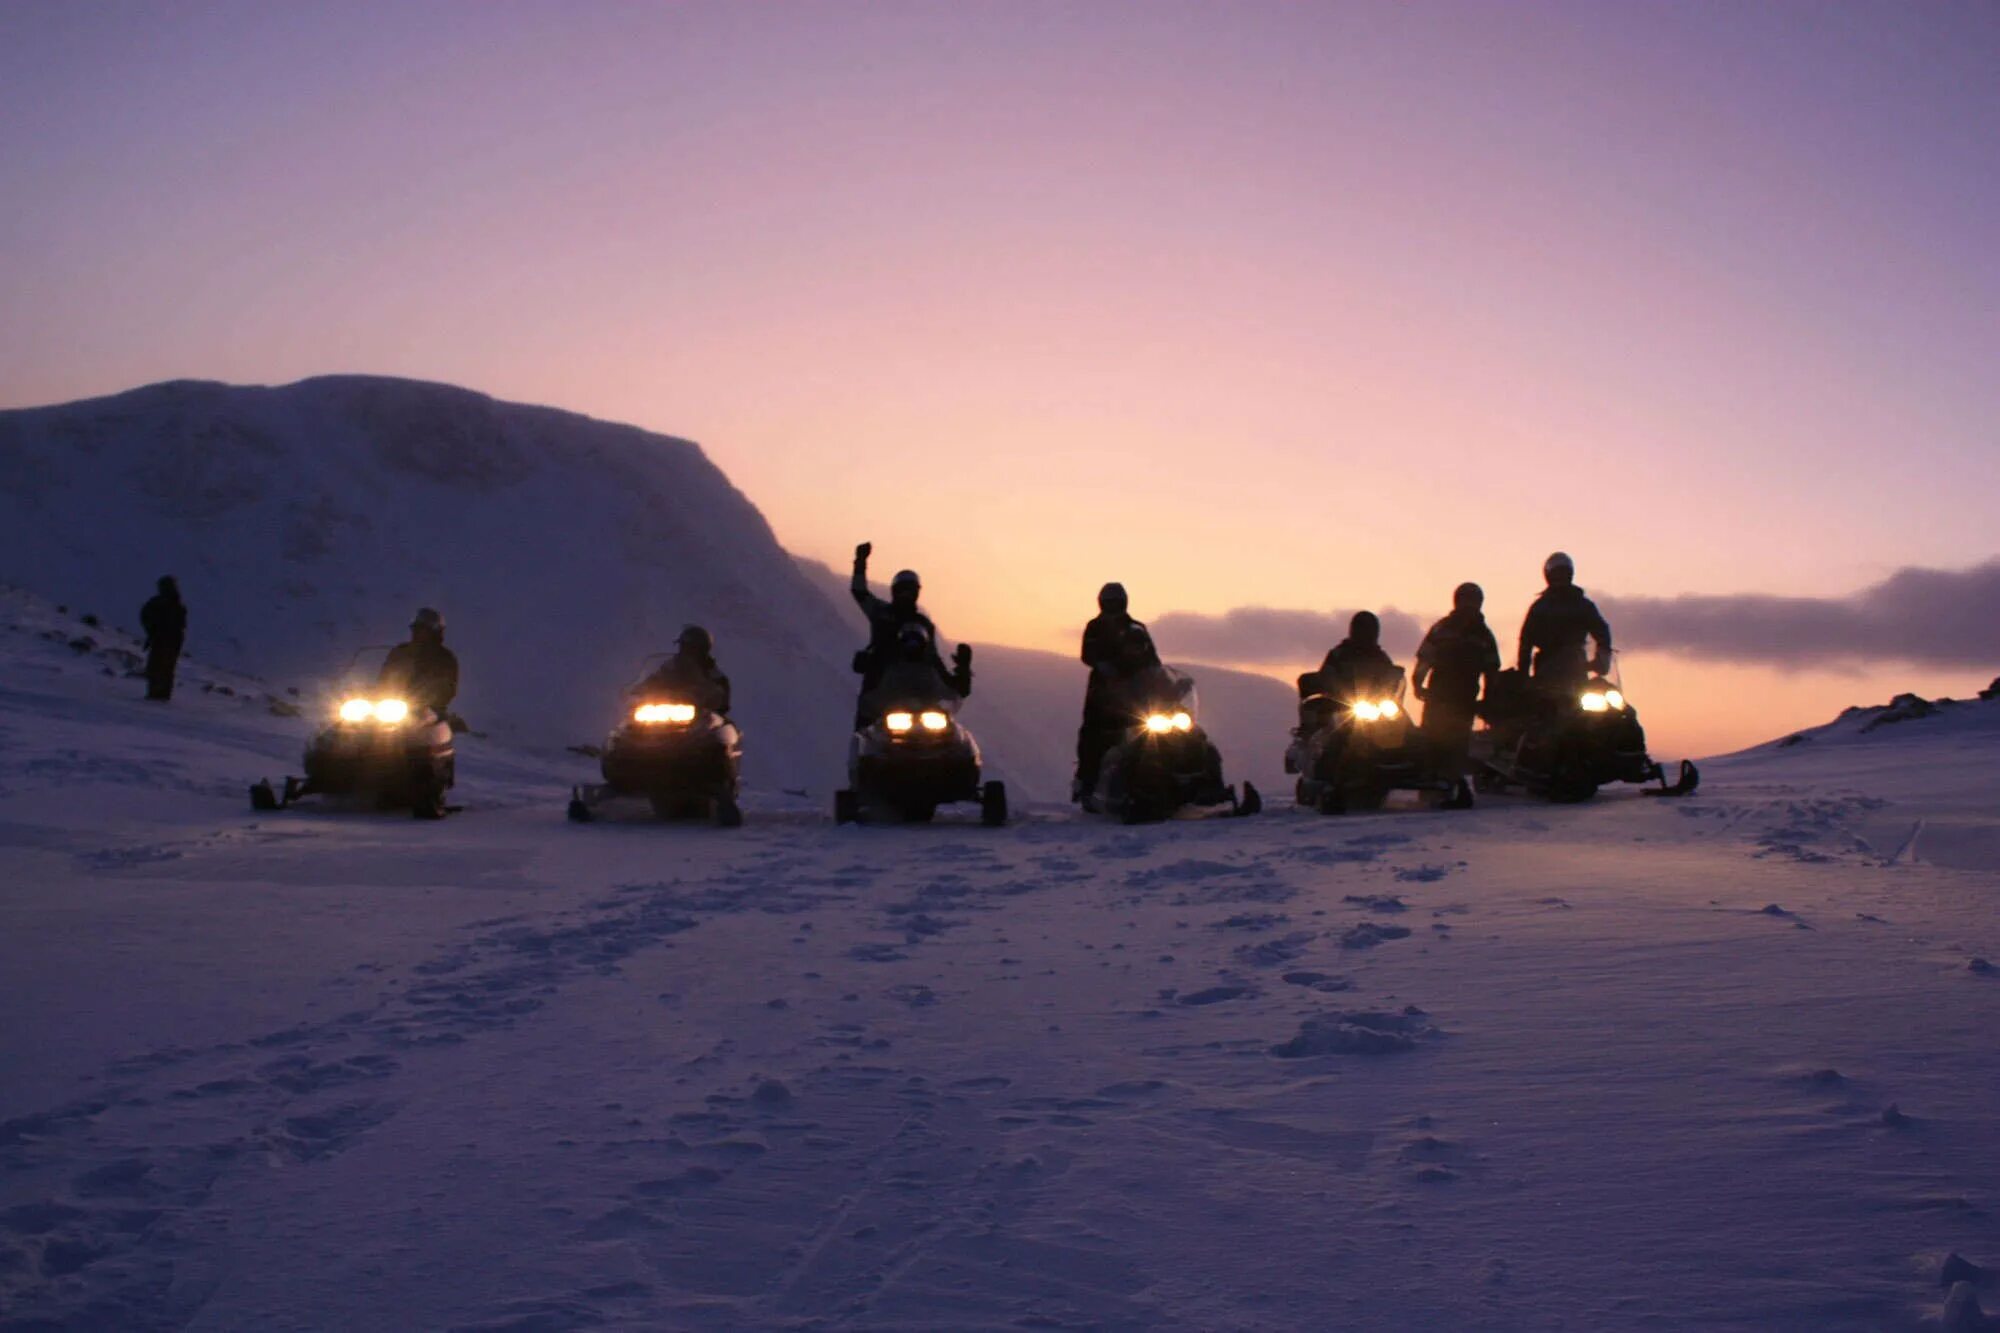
[[1355, 661], [1104, 652], [887, 621], [423, 672], [1456, 657], [164, 620], [1553, 635], [691, 674]]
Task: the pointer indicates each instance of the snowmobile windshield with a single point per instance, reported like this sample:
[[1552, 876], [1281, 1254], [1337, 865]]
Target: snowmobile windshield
[[916, 685], [1604, 693], [1379, 695], [361, 697]]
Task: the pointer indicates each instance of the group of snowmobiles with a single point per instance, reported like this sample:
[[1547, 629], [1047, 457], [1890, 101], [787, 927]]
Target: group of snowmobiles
[[1142, 756]]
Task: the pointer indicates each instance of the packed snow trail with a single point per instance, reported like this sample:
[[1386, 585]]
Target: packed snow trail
[[1622, 1065]]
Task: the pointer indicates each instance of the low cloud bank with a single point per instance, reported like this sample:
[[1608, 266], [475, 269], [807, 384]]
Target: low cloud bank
[[1927, 617], [1271, 636], [1932, 617]]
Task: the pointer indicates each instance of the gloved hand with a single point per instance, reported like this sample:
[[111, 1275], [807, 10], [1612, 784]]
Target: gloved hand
[[1423, 693], [1601, 664], [963, 655], [863, 551]]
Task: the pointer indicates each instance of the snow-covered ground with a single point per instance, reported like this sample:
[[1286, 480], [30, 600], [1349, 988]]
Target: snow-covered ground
[[1627, 1065]]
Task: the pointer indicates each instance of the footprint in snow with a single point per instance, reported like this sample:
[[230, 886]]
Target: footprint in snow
[[1368, 934], [1319, 981], [1214, 995], [1362, 1032]]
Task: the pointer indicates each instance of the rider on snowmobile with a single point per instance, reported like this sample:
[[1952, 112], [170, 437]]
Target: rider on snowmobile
[[1354, 662], [691, 674], [423, 672], [1553, 635], [1104, 652], [887, 620], [1456, 656]]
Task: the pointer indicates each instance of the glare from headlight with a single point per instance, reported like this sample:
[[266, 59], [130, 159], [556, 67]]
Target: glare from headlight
[[934, 720], [1159, 723], [1595, 702], [1183, 721], [899, 722], [391, 710], [1389, 709], [356, 710], [1615, 699], [1366, 710], [663, 713]]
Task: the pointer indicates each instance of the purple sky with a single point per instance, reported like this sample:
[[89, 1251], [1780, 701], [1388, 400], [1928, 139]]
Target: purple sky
[[1283, 305]]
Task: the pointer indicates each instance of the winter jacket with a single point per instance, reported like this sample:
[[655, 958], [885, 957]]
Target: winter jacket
[[695, 680], [1553, 635], [1347, 667], [424, 672], [164, 619], [1454, 657]]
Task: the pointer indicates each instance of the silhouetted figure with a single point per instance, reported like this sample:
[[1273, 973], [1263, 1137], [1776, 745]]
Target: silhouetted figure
[[1105, 651], [164, 621], [691, 674], [1457, 656], [1557, 625], [422, 672], [888, 623], [1355, 663]]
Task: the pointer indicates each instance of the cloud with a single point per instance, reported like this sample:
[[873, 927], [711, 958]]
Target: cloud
[[1271, 636], [1928, 617], [1932, 617]]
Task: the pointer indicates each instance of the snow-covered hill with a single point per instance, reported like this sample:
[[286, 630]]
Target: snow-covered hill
[[306, 521]]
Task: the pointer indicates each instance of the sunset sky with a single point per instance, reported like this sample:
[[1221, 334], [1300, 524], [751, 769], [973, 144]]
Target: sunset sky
[[1288, 306]]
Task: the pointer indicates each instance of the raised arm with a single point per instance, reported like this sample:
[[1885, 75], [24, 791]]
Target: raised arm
[[858, 585]]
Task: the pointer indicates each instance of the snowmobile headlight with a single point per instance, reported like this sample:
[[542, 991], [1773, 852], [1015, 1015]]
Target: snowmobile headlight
[[663, 713], [391, 711], [934, 720], [1159, 723], [1367, 710], [1595, 701], [1183, 721], [357, 710], [899, 722], [1615, 700], [1389, 709]]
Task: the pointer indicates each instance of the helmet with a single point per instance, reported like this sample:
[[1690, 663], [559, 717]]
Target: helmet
[[905, 578], [1111, 598], [1468, 597], [1559, 567], [697, 638], [168, 585], [427, 618], [1366, 626]]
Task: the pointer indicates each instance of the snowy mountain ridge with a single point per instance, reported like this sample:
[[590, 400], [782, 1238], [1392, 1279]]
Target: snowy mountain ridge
[[308, 520]]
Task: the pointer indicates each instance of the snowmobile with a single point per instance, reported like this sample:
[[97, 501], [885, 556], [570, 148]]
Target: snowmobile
[[1164, 760], [914, 754], [376, 746], [1349, 754], [677, 752], [1566, 742]]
